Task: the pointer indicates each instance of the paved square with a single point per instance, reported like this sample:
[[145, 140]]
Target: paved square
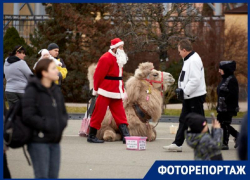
[[80, 159]]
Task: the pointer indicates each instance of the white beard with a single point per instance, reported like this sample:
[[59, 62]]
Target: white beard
[[121, 57]]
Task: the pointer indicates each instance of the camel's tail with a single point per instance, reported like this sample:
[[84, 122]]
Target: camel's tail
[[91, 71]]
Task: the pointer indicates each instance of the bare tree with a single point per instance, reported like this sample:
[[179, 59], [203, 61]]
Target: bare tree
[[148, 27], [210, 47], [236, 49], [218, 43]]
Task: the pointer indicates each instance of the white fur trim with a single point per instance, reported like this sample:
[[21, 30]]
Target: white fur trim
[[120, 83], [94, 93], [117, 45], [108, 94], [111, 52]]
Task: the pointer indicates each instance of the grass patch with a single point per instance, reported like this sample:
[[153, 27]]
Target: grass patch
[[76, 109], [177, 112], [168, 112]]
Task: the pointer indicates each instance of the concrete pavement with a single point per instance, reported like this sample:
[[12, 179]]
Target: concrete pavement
[[80, 159]]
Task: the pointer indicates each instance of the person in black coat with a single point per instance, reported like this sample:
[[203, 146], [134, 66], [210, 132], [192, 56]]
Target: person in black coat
[[227, 105], [44, 111], [6, 171]]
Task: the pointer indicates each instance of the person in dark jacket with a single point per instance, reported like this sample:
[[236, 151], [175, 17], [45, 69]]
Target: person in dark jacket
[[44, 111], [242, 140], [53, 49], [227, 105], [206, 146], [6, 171], [16, 73]]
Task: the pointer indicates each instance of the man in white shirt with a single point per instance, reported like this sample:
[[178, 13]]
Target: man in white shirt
[[192, 83]]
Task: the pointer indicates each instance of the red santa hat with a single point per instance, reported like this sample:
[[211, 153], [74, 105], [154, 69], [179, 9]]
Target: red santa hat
[[116, 43]]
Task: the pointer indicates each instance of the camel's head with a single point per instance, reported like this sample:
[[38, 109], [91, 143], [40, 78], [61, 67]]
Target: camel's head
[[156, 78]]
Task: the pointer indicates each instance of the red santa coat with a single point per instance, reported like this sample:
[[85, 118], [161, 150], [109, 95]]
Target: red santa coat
[[108, 66]]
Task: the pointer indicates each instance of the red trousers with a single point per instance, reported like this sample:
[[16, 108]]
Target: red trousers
[[116, 108]]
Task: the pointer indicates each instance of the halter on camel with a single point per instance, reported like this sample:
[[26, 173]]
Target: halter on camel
[[159, 82]]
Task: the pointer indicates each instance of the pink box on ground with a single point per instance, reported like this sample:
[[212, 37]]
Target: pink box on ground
[[136, 143]]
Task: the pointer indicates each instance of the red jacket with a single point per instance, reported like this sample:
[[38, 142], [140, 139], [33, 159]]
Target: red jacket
[[107, 66]]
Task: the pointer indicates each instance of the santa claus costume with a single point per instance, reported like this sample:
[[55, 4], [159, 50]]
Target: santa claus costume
[[109, 86]]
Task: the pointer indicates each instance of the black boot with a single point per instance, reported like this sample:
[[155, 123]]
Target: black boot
[[124, 131], [226, 135], [235, 134], [92, 136], [236, 143]]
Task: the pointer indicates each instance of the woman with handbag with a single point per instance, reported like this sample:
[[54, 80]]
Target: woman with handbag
[[44, 111]]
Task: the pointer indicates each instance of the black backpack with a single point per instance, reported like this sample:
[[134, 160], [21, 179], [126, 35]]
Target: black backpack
[[16, 133]]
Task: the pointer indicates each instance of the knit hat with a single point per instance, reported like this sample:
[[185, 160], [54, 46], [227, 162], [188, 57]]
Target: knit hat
[[196, 122], [116, 43], [52, 46]]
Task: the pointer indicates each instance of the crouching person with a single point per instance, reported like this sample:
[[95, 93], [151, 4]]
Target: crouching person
[[206, 146], [44, 111]]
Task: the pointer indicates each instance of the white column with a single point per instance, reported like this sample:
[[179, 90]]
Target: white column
[[218, 9], [39, 9], [16, 12]]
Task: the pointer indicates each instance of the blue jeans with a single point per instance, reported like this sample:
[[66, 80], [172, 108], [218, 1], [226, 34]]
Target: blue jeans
[[45, 158]]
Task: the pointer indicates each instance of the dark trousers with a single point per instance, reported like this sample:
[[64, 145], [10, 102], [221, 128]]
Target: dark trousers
[[6, 172], [45, 159], [189, 105], [13, 97], [225, 119]]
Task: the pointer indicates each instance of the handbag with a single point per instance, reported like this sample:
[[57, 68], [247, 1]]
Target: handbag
[[84, 130]]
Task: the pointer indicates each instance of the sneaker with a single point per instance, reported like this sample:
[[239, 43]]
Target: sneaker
[[173, 147], [224, 147]]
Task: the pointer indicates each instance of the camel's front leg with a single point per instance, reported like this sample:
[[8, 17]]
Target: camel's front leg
[[151, 132], [109, 134]]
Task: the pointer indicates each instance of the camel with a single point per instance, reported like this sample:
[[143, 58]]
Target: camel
[[145, 90]]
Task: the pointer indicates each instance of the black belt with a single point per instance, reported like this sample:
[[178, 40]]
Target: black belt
[[113, 78]]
